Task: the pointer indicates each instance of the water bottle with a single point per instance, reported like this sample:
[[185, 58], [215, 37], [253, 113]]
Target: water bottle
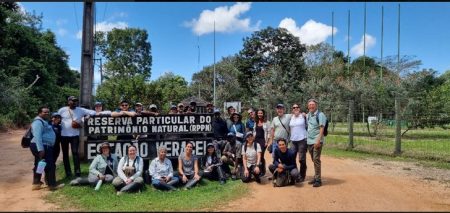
[[99, 183], [41, 167]]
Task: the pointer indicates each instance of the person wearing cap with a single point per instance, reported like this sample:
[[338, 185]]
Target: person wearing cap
[[98, 107], [103, 167], [231, 155], [230, 111], [180, 108], [71, 120], [138, 108], [251, 158], [56, 125], [188, 167], [279, 127], [211, 165], [237, 127], [315, 139], [124, 110], [161, 171], [192, 107], [209, 108], [250, 124], [173, 110]]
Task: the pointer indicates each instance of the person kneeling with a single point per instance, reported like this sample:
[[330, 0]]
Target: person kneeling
[[212, 165], [103, 167], [161, 171], [284, 164], [130, 172], [251, 157]]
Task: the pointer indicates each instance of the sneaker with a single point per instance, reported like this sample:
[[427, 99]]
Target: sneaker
[[300, 179], [233, 177], [312, 181], [75, 182], [36, 187], [317, 184], [53, 188], [119, 193]]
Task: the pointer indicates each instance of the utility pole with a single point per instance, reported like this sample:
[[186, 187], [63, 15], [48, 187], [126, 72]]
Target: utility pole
[[87, 63]]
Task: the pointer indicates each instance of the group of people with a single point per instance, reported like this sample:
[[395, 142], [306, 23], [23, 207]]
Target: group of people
[[237, 151]]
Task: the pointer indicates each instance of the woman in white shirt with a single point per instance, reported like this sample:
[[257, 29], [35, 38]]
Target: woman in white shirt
[[130, 172], [298, 137]]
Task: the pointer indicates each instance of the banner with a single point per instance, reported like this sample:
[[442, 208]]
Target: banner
[[148, 149], [148, 125]]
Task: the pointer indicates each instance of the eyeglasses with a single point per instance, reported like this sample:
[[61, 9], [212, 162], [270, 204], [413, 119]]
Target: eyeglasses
[[124, 105], [295, 107]]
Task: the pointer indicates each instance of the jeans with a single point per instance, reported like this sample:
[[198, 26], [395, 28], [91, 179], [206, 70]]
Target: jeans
[[50, 175], [165, 186], [274, 146], [251, 171], [301, 148], [74, 145]]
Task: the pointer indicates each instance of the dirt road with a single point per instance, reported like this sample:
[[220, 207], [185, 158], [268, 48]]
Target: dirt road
[[348, 185]]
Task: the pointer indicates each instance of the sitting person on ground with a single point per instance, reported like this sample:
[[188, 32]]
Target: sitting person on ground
[[103, 167], [188, 167], [251, 157], [129, 172], [161, 171], [284, 162], [231, 156], [211, 165]]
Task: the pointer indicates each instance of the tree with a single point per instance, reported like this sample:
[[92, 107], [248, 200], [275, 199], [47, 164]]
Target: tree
[[268, 50], [173, 89], [126, 51]]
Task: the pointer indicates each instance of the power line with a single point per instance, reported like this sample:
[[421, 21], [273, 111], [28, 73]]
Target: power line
[[104, 12], [76, 17]]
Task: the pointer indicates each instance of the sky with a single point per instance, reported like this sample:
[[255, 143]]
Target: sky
[[182, 32]]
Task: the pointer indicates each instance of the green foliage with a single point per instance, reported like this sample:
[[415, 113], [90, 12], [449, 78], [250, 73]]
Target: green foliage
[[33, 68], [172, 89]]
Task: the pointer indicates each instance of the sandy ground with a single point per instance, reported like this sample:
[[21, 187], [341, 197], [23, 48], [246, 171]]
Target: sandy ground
[[348, 185]]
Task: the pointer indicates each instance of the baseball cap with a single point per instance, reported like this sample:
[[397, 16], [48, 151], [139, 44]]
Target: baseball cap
[[248, 134], [138, 103], [217, 111], [280, 106], [153, 106], [173, 107], [231, 134], [72, 98], [55, 114], [209, 144], [98, 103]]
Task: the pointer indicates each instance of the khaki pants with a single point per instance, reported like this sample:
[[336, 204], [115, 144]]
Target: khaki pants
[[315, 157]]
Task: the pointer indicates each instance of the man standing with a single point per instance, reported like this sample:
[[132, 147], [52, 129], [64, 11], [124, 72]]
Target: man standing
[[315, 139], [230, 111], [42, 148], [56, 125], [279, 126], [284, 161], [71, 116], [250, 124]]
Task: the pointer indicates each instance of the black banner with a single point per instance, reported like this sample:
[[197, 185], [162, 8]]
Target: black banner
[[148, 149], [149, 125]]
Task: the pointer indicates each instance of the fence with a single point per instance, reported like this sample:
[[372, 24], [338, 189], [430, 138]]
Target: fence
[[386, 133]]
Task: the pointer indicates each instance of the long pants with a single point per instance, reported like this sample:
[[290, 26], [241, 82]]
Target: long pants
[[93, 179], [191, 181], [159, 184], [227, 162], [251, 171], [301, 148], [120, 185], [274, 147], [74, 145], [56, 148], [315, 156], [293, 172], [216, 173], [262, 143], [50, 175]]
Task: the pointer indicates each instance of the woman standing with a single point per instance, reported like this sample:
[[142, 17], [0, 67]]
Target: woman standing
[[130, 172], [188, 167], [261, 132], [298, 137], [237, 127]]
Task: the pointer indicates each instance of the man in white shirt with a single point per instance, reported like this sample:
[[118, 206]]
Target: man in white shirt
[[71, 124]]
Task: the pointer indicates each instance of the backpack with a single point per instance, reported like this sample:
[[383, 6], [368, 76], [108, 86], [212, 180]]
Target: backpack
[[245, 147], [325, 128], [26, 138], [282, 179]]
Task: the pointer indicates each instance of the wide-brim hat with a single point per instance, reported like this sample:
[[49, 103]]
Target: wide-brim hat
[[104, 144]]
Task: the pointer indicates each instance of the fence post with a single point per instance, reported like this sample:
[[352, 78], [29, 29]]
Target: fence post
[[398, 128], [351, 109]]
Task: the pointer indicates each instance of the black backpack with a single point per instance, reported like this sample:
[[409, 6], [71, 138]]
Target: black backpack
[[26, 139]]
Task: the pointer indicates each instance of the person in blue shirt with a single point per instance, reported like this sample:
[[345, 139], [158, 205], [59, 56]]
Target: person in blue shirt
[[237, 127], [284, 161], [41, 147], [250, 124], [161, 170]]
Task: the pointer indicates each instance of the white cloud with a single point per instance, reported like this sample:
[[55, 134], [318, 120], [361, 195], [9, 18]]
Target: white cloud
[[226, 19], [21, 8], [106, 27], [358, 49], [75, 68], [60, 22], [310, 33], [61, 31]]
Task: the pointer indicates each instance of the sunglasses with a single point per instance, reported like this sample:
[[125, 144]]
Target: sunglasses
[[295, 107], [124, 105]]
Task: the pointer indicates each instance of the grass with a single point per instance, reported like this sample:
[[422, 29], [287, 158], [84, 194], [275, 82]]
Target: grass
[[207, 195], [428, 144]]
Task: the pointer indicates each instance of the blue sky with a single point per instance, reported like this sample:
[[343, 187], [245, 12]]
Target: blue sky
[[176, 29]]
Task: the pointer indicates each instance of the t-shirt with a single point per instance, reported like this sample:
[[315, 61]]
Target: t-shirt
[[298, 128], [314, 127], [251, 153], [67, 115], [188, 165], [280, 131]]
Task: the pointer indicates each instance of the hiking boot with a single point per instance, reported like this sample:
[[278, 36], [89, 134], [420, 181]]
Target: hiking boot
[[300, 179], [312, 181], [317, 183]]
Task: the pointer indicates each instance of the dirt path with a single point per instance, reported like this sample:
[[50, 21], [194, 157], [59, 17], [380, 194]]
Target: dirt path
[[348, 185]]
